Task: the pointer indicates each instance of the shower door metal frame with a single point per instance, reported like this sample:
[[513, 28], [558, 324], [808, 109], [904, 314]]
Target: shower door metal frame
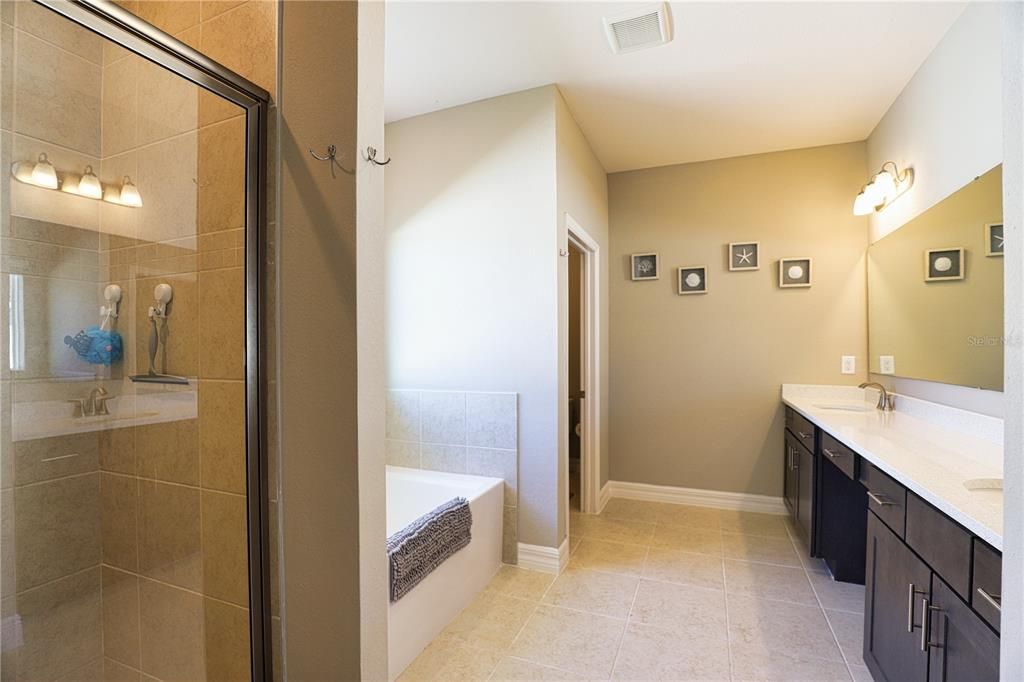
[[134, 34]]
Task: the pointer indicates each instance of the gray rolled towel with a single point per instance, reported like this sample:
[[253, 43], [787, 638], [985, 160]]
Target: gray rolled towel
[[426, 543]]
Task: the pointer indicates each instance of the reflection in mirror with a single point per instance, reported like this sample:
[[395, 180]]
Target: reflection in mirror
[[935, 291]]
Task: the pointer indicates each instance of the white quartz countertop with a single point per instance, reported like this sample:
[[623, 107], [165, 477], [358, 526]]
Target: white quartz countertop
[[929, 448]]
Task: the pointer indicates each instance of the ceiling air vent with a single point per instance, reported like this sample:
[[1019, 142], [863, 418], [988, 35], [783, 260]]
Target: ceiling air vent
[[639, 27]]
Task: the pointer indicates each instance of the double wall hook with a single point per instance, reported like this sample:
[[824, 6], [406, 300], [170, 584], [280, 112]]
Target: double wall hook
[[332, 152], [371, 156]]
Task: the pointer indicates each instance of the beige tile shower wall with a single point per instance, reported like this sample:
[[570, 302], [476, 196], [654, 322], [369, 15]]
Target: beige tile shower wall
[[695, 379], [461, 433], [50, 538]]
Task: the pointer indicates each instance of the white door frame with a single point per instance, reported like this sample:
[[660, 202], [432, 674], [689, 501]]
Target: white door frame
[[590, 370]]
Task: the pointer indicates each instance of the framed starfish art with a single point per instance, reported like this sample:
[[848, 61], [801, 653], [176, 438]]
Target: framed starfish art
[[744, 256]]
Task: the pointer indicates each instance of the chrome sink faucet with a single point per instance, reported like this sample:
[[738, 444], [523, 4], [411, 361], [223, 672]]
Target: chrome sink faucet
[[886, 402]]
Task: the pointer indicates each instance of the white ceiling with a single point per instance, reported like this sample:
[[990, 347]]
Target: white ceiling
[[739, 78]]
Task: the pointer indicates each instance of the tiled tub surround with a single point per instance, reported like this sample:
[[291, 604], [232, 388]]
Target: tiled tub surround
[[931, 449], [459, 432], [660, 591]]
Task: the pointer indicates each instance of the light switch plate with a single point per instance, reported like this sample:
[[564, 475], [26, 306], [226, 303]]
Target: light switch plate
[[887, 364], [849, 364]]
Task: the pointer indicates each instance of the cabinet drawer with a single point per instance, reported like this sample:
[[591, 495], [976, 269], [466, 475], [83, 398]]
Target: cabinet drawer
[[986, 587], [840, 455], [801, 427], [886, 498], [941, 542]]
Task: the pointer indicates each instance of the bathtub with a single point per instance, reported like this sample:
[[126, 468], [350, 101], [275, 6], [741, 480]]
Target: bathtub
[[419, 616]]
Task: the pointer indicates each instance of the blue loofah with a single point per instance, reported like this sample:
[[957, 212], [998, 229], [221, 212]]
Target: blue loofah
[[96, 346]]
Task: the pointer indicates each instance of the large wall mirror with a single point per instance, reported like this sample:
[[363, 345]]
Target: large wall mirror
[[935, 291]]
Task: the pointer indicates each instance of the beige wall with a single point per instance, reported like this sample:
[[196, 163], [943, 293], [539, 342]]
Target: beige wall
[[582, 186], [696, 379], [950, 332]]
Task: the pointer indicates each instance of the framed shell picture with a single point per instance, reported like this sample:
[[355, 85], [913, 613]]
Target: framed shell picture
[[693, 279], [994, 239], [794, 272], [744, 256], [943, 264], [644, 266]]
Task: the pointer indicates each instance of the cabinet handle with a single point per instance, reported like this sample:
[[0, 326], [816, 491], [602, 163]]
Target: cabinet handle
[[880, 501], [926, 625], [802, 435], [912, 592], [830, 453], [994, 600]]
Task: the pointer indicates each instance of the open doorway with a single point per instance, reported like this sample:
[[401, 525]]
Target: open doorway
[[582, 370]]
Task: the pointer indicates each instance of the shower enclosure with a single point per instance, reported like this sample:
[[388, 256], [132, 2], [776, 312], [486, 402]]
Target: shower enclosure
[[133, 487]]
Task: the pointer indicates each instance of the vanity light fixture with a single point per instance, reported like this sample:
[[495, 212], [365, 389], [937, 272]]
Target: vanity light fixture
[[885, 187], [41, 173], [89, 185], [130, 193]]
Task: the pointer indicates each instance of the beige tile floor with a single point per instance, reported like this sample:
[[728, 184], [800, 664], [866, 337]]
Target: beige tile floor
[[660, 592]]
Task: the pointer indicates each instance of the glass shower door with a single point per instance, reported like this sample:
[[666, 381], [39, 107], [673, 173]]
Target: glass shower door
[[123, 375]]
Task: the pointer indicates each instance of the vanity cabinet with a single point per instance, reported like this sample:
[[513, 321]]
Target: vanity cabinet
[[896, 583], [800, 475], [961, 647]]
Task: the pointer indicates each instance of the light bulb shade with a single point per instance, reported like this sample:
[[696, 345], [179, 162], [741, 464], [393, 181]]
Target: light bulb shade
[[130, 193], [44, 174], [863, 204], [884, 186], [89, 185]]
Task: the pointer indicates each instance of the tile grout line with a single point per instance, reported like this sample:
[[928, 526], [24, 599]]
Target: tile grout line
[[814, 590], [725, 598], [629, 614]]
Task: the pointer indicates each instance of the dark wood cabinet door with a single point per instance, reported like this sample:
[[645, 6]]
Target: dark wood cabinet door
[[896, 585], [805, 494], [790, 475], [962, 647]]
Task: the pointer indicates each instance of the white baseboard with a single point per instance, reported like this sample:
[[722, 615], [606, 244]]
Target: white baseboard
[[544, 559], [764, 504], [604, 496]]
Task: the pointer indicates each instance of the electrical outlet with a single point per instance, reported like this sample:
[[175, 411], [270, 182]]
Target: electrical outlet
[[887, 364], [849, 364]]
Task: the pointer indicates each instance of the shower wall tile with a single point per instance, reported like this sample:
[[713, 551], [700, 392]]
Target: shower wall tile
[[58, 31], [167, 177], [402, 453], [117, 450], [402, 415], [211, 8], [227, 641], [6, 78], [44, 69], [499, 464], [222, 324], [120, 106], [121, 616], [61, 626], [171, 627], [170, 547], [491, 420], [443, 417], [221, 201], [449, 458], [8, 565], [119, 520], [168, 451], [222, 435], [57, 528], [171, 16], [45, 459], [225, 547], [119, 672], [168, 105], [245, 52]]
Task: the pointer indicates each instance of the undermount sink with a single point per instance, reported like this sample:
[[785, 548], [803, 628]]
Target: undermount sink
[[844, 407], [984, 484]]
